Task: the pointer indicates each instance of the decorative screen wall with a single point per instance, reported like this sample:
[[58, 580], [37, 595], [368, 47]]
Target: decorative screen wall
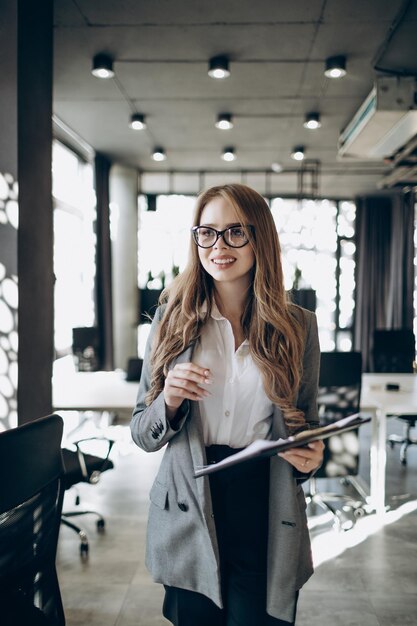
[[9, 216]]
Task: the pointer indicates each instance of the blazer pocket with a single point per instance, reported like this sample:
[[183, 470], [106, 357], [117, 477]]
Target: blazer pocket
[[159, 495]]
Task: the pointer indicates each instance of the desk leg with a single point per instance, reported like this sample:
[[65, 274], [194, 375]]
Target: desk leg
[[378, 461]]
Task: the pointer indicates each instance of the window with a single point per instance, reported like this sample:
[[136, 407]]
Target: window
[[74, 244], [317, 246], [317, 241]]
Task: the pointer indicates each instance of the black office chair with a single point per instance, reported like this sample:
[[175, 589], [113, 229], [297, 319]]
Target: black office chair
[[31, 494], [134, 369], [394, 352], [339, 396], [83, 467], [86, 348]]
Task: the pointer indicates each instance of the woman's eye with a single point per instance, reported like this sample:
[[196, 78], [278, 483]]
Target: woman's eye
[[237, 232], [206, 232]]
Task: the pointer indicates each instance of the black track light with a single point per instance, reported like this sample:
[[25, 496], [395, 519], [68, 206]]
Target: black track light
[[102, 66], [219, 67]]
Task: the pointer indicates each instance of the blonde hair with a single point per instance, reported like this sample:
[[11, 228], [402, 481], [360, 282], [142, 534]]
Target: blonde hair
[[270, 323]]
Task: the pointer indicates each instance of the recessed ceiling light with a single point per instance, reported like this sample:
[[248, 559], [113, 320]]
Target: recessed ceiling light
[[335, 67], [298, 153], [228, 154], [224, 121], [159, 154], [137, 121], [276, 167], [312, 121], [219, 67], [102, 66]]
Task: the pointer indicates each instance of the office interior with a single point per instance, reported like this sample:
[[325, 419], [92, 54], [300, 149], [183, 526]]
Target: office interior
[[317, 110]]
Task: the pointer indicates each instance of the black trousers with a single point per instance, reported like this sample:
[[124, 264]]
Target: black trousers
[[240, 504]]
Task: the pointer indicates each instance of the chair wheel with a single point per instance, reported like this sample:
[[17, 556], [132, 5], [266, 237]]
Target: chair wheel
[[403, 461], [83, 548], [100, 524]]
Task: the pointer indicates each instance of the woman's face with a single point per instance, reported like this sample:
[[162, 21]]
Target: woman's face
[[223, 262]]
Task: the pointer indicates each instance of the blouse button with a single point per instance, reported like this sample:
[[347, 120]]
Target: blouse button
[[227, 413]]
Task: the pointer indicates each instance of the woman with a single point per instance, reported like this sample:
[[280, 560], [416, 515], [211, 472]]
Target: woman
[[228, 361]]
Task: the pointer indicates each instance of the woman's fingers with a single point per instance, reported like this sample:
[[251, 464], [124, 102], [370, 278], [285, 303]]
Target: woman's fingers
[[184, 382], [305, 459], [191, 372]]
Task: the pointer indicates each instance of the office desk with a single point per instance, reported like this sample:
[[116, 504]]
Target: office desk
[[90, 391], [109, 391], [380, 402]]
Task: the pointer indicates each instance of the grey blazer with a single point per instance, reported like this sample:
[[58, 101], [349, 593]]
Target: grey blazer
[[182, 548]]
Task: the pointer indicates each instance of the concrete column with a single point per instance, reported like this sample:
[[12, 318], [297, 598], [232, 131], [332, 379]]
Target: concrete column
[[124, 237]]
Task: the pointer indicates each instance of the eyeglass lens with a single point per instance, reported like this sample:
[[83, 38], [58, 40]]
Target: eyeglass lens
[[235, 236]]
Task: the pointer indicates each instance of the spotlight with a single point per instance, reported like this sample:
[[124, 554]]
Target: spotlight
[[159, 154], [137, 121], [224, 121], [102, 66], [276, 167], [219, 67], [312, 121], [229, 154], [298, 153], [335, 67]]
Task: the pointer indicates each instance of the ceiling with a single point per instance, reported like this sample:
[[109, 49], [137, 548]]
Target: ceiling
[[277, 51]]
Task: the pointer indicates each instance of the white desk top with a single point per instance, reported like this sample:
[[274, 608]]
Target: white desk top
[[375, 395], [90, 391]]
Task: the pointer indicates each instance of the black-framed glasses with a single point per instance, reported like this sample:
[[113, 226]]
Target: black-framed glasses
[[234, 236]]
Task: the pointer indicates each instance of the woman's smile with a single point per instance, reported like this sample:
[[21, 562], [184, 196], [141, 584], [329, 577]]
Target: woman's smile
[[223, 262]]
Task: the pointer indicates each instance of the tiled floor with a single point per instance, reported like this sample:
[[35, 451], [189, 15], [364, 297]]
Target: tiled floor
[[364, 577]]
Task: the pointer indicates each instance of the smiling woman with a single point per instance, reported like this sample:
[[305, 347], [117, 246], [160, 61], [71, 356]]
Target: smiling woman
[[229, 360]]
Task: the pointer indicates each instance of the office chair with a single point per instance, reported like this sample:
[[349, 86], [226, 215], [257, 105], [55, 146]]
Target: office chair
[[394, 352], [339, 396], [86, 348], [134, 369], [83, 467], [31, 495]]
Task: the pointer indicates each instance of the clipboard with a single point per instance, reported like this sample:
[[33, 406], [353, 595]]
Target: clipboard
[[265, 448]]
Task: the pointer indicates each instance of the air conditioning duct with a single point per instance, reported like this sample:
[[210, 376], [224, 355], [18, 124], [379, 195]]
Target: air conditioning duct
[[384, 123]]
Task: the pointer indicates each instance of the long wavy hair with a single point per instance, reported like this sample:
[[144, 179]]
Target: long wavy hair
[[270, 323]]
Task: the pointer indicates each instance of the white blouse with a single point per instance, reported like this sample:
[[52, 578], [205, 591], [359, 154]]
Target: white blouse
[[237, 411]]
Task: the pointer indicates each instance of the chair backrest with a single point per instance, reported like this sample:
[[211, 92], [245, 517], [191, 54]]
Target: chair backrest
[[86, 348], [339, 384], [339, 396], [134, 369], [82, 467], [393, 350], [30, 511]]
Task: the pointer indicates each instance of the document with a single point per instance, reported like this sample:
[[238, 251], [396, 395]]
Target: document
[[265, 447]]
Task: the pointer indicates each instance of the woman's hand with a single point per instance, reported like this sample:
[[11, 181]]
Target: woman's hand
[[306, 459], [183, 383]]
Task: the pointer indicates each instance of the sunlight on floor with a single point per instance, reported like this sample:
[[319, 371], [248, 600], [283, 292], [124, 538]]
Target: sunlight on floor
[[333, 543]]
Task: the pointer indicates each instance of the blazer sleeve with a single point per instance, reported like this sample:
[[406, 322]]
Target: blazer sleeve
[[307, 393], [149, 426]]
